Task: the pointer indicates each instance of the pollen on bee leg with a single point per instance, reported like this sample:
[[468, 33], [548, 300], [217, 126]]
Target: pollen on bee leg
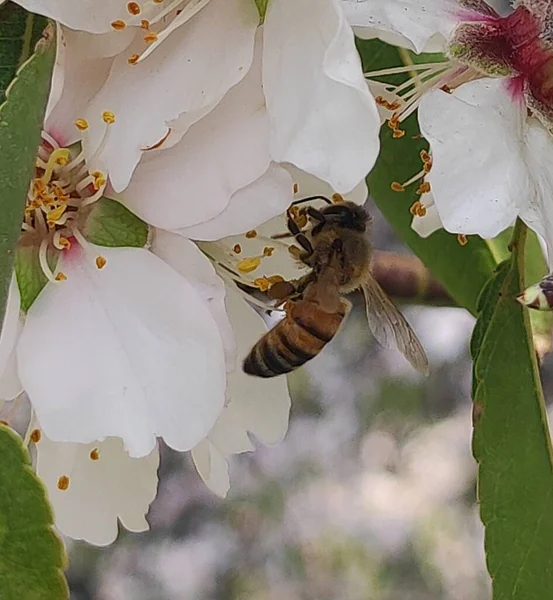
[[100, 262], [63, 483], [462, 239], [35, 436], [94, 454], [247, 265]]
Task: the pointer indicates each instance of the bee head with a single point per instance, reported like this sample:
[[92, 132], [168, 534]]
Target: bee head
[[347, 215]]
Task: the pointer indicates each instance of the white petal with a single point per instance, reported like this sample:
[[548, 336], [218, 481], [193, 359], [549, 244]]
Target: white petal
[[186, 258], [83, 63], [409, 23], [478, 176], [255, 406], [323, 118], [309, 185], [129, 351], [11, 324], [192, 69], [114, 486], [212, 467], [428, 224], [537, 208], [94, 16], [265, 198]]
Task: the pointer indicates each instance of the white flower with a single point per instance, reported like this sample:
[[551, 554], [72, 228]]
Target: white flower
[[307, 88], [93, 486], [491, 161]]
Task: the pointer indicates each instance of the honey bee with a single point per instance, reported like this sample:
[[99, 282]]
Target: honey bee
[[336, 247]]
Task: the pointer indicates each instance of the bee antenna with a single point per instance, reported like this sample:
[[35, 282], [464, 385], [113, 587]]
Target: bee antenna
[[310, 198]]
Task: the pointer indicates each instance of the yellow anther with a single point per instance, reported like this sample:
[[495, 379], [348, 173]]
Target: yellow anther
[[81, 124], [64, 243], [99, 180], [337, 198], [462, 239], [133, 59], [150, 37], [35, 436], [249, 264], [268, 251], [381, 101], [133, 8], [60, 276], [118, 25], [145, 24], [296, 188], [100, 262], [423, 188], [55, 215], [63, 483], [397, 187], [251, 234], [94, 454], [262, 284], [108, 117], [418, 209], [237, 248]]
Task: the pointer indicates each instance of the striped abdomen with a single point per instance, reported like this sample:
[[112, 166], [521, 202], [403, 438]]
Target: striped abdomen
[[300, 336]]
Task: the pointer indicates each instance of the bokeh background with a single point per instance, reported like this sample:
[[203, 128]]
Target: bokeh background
[[371, 495]]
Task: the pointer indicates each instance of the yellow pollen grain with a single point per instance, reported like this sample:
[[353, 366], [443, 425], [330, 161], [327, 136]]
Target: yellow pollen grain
[[61, 277], [133, 8], [63, 483], [108, 117], [249, 264], [150, 37], [337, 198], [462, 239], [397, 187], [94, 454], [35, 436], [237, 248], [296, 188], [118, 25], [100, 262], [81, 124], [268, 251], [251, 234], [133, 59]]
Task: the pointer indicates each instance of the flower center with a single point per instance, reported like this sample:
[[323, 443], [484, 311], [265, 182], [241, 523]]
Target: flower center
[[61, 188]]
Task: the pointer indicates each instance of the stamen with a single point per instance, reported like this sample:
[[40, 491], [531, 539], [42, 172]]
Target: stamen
[[61, 276], [296, 188], [42, 258], [100, 262], [133, 59], [81, 124], [134, 8], [150, 37], [462, 239], [268, 251], [251, 234], [118, 25], [35, 436], [237, 248], [108, 117], [63, 483], [94, 454]]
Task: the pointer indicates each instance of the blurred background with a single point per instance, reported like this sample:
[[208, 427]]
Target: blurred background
[[371, 495]]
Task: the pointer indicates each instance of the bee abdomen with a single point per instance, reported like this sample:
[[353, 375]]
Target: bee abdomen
[[300, 336]]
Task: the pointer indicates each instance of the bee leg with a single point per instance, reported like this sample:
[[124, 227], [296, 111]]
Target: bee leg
[[316, 214], [301, 238]]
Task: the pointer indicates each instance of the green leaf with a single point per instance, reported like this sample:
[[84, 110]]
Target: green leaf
[[463, 270], [30, 276], [31, 555], [262, 8], [21, 119], [511, 440], [109, 223]]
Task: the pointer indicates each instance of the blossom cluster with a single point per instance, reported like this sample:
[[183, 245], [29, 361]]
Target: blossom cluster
[[174, 131]]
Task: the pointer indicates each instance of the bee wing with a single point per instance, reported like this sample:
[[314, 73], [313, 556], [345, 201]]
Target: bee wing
[[389, 326]]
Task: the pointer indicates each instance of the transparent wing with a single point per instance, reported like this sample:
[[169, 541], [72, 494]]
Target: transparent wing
[[389, 326]]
